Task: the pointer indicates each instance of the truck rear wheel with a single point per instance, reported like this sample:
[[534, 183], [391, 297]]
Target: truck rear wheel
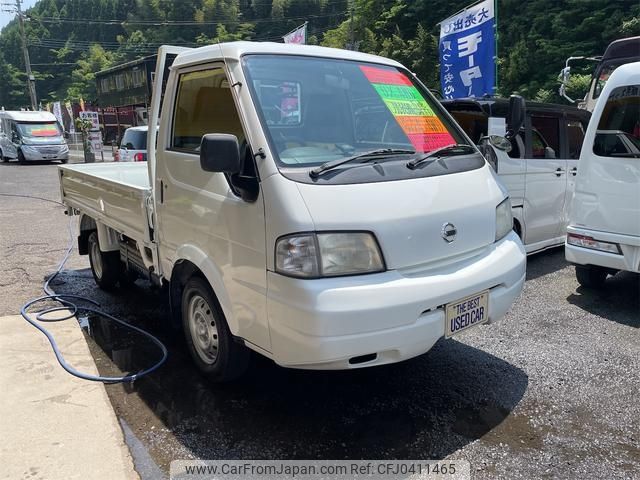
[[217, 355], [105, 266], [591, 276]]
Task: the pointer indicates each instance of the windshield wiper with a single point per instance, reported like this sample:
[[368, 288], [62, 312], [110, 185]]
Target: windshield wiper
[[456, 149], [316, 172]]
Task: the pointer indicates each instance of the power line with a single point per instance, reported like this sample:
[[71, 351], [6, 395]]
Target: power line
[[163, 23]]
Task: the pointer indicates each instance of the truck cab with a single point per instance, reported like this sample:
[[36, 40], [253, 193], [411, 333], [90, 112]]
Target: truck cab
[[31, 136], [603, 236], [540, 169]]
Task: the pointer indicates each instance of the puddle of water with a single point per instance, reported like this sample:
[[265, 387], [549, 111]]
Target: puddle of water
[[122, 351]]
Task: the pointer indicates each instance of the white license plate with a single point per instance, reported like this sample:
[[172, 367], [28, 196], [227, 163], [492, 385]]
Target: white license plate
[[466, 313]]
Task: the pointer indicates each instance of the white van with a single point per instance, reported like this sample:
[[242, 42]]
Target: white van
[[540, 169], [603, 235], [31, 136], [315, 205]]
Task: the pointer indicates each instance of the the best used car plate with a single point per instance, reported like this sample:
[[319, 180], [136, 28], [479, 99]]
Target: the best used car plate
[[466, 313]]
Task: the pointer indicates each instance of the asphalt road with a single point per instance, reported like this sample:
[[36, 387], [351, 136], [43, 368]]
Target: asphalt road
[[549, 392]]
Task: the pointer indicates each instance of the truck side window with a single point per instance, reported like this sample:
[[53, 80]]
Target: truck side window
[[575, 134], [204, 105], [549, 129], [618, 133], [537, 145]]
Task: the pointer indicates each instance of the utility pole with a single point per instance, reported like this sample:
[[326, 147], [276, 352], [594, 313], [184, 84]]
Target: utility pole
[[31, 81]]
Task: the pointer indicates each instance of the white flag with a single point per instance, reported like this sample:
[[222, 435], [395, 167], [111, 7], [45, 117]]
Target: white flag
[[299, 35]]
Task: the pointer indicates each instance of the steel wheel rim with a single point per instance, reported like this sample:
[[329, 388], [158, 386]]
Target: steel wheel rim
[[96, 259], [203, 328]]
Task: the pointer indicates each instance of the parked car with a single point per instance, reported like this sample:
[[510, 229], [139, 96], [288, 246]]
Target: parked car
[[286, 218], [540, 169], [133, 146], [31, 136], [603, 236]]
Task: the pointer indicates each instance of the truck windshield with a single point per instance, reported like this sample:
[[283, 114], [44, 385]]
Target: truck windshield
[[317, 110], [47, 129]]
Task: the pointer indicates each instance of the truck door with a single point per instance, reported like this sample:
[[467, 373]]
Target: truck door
[[198, 212], [546, 181]]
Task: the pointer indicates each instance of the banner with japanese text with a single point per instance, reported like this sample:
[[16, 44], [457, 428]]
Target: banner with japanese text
[[467, 52]]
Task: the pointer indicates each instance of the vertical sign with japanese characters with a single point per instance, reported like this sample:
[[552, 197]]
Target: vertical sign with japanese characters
[[467, 52]]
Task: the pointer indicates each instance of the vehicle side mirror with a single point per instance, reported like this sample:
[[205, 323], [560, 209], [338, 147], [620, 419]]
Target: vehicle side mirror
[[549, 152], [15, 138], [220, 152], [66, 135], [515, 116]]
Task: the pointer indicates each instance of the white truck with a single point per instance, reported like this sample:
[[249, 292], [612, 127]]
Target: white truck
[[317, 206], [31, 136], [603, 236]]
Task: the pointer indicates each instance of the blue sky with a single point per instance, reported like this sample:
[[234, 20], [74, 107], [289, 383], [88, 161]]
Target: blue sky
[[7, 17]]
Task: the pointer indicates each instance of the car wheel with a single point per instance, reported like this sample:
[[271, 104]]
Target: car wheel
[[64, 160], [591, 276], [213, 349], [2, 157], [105, 266], [21, 159]]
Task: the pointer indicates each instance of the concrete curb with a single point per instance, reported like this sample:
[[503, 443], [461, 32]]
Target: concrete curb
[[54, 425]]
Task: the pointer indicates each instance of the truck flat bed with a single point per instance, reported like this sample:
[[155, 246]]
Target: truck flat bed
[[115, 194]]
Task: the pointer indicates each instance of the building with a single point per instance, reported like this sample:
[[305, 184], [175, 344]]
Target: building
[[124, 94]]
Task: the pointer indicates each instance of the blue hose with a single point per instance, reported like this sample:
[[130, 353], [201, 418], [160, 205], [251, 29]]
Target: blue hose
[[67, 304]]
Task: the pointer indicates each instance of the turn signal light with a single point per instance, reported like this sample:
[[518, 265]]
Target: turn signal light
[[590, 242]]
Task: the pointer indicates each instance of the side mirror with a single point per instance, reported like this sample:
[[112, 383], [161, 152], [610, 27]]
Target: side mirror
[[500, 142], [549, 152], [15, 138], [220, 152], [515, 116], [66, 135]]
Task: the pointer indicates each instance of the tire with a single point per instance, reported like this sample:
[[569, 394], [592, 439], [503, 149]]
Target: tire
[[105, 266], [64, 160], [214, 351], [591, 277], [3, 158], [21, 159]]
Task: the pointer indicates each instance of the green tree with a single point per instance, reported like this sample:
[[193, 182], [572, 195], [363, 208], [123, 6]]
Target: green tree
[[83, 83]]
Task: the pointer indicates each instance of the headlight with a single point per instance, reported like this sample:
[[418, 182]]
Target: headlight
[[312, 255], [504, 219]]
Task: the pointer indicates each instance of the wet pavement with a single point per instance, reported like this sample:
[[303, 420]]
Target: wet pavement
[[551, 391]]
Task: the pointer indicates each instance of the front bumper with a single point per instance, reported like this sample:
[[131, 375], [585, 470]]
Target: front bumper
[[45, 154], [629, 260], [396, 315]]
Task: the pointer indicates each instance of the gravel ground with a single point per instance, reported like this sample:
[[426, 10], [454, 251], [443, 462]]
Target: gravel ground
[[549, 392]]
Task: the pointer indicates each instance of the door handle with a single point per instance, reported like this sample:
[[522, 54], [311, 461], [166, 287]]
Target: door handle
[[559, 172], [574, 171]]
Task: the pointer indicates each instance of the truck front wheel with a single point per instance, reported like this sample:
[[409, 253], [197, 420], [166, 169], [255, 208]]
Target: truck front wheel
[[105, 266], [217, 355], [591, 276]]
